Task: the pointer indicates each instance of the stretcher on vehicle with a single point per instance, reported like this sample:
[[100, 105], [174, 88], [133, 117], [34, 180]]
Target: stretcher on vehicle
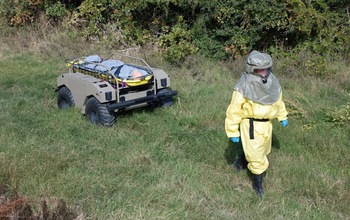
[[115, 71], [102, 87]]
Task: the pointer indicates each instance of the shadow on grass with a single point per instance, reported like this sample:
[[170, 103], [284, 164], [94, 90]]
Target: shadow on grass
[[275, 142], [129, 113], [233, 151]]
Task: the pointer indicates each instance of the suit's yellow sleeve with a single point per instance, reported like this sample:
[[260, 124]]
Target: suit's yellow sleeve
[[234, 115], [282, 112]]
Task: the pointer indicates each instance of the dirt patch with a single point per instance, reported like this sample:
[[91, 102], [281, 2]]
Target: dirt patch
[[14, 206]]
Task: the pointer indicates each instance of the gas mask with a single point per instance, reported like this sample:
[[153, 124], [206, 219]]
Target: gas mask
[[258, 62]]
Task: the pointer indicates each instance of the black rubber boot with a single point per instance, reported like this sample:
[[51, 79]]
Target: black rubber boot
[[257, 184], [240, 163]]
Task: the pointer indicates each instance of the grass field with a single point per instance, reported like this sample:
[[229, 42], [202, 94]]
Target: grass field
[[173, 163]]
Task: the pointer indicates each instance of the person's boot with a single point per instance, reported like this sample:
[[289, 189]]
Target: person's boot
[[241, 163], [257, 184]]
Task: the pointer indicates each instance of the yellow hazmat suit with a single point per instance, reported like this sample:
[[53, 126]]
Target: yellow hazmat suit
[[256, 100], [237, 124]]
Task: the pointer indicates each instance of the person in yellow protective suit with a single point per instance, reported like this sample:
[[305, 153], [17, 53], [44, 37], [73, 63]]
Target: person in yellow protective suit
[[256, 100]]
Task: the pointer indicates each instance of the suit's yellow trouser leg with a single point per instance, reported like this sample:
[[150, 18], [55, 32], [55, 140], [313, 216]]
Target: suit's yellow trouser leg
[[257, 149]]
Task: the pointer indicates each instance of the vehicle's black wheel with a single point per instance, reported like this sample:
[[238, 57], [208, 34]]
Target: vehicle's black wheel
[[98, 113], [165, 102], [65, 98]]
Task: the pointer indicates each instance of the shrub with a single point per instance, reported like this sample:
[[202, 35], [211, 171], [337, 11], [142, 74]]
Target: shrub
[[339, 115], [57, 11], [177, 43], [216, 29]]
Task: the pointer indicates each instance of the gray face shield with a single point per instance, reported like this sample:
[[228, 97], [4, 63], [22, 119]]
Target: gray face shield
[[256, 61], [265, 90]]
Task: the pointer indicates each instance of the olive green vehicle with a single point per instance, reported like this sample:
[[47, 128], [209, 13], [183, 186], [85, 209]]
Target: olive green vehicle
[[103, 87]]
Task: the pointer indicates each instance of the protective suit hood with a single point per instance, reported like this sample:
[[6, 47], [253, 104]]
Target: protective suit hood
[[252, 87]]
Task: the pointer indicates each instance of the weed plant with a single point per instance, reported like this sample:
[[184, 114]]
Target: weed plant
[[172, 163]]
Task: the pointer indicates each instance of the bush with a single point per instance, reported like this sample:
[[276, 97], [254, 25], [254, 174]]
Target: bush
[[216, 29], [177, 43], [339, 115], [57, 11]]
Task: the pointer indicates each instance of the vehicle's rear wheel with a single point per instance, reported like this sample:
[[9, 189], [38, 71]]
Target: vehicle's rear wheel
[[98, 113], [65, 98], [165, 102]]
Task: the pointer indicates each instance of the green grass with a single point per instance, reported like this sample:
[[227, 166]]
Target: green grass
[[171, 163]]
